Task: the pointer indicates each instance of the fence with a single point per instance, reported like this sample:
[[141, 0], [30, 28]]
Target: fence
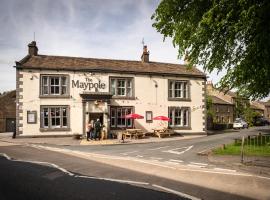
[[255, 148]]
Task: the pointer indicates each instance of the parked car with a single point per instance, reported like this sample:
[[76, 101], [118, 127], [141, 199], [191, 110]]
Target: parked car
[[240, 123], [261, 121]]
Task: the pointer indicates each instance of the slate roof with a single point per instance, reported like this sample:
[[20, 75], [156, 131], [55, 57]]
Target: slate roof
[[216, 100], [106, 65]]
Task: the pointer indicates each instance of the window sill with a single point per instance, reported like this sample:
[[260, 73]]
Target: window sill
[[54, 96], [53, 129], [120, 97], [180, 127], [179, 99]]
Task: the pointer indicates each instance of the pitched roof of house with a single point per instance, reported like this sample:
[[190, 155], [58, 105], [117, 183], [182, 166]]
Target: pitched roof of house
[[257, 105], [217, 100], [106, 65]]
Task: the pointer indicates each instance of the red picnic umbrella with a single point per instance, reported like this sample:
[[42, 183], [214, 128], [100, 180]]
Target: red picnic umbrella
[[133, 116], [162, 118]]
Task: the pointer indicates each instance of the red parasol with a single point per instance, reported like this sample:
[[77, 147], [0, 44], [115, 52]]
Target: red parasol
[[133, 116], [162, 118]]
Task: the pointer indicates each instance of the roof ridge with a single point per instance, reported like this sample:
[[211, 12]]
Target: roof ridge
[[109, 59]]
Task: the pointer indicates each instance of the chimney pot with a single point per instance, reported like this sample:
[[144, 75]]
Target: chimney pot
[[32, 48]]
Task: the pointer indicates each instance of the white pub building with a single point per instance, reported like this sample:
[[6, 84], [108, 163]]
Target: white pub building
[[58, 95]]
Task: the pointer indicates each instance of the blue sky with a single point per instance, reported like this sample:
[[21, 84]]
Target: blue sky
[[103, 29]]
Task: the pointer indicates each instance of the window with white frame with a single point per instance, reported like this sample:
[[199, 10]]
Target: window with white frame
[[180, 117], [121, 87], [178, 89], [117, 117], [54, 117], [54, 85]]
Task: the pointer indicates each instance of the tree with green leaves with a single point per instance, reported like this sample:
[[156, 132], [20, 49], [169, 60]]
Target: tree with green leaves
[[222, 34]]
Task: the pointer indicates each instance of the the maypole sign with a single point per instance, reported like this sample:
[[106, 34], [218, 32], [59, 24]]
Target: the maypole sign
[[88, 84]]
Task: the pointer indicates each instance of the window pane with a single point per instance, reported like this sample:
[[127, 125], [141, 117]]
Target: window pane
[[64, 122], [121, 87], [113, 86], [171, 117], [185, 118], [64, 81], [64, 90], [57, 90], [177, 117], [45, 90]]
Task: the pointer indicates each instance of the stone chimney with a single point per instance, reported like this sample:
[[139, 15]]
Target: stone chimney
[[32, 49], [145, 55]]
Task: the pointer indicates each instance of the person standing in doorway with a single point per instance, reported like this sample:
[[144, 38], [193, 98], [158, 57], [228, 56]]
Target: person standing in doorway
[[88, 130], [92, 133], [97, 129]]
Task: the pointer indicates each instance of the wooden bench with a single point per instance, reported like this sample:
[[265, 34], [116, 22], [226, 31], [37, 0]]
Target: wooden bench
[[163, 132]]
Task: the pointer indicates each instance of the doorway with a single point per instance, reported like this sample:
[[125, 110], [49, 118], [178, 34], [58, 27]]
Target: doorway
[[95, 116]]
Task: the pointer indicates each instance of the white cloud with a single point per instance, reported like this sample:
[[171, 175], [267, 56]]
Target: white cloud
[[103, 29]]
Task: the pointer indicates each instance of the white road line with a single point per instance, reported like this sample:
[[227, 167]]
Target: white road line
[[174, 151], [126, 153], [139, 156], [158, 148], [176, 192], [197, 163], [222, 169], [174, 163], [151, 163], [173, 160], [197, 166], [6, 156]]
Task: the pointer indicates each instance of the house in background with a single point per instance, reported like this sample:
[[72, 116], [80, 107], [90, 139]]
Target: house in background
[[267, 109], [258, 106], [8, 111]]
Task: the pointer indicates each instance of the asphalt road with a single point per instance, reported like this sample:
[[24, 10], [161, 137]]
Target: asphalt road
[[179, 151], [21, 180], [29, 181]]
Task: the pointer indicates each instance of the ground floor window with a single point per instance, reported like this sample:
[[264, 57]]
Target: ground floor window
[[117, 117], [54, 117], [180, 116]]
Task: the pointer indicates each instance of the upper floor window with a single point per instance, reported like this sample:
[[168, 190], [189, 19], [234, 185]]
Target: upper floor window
[[54, 85], [121, 87], [178, 89]]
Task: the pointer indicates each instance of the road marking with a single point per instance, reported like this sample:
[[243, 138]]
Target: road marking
[[139, 156], [222, 169], [92, 155], [176, 192], [179, 161], [158, 148], [174, 151], [174, 163], [197, 163], [126, 153], [197, 166]]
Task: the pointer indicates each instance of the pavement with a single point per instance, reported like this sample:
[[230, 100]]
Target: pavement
[[70, 141]]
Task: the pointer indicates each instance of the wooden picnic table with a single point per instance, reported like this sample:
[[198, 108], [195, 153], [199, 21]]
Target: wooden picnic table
[[162, 132], [134, 132]]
